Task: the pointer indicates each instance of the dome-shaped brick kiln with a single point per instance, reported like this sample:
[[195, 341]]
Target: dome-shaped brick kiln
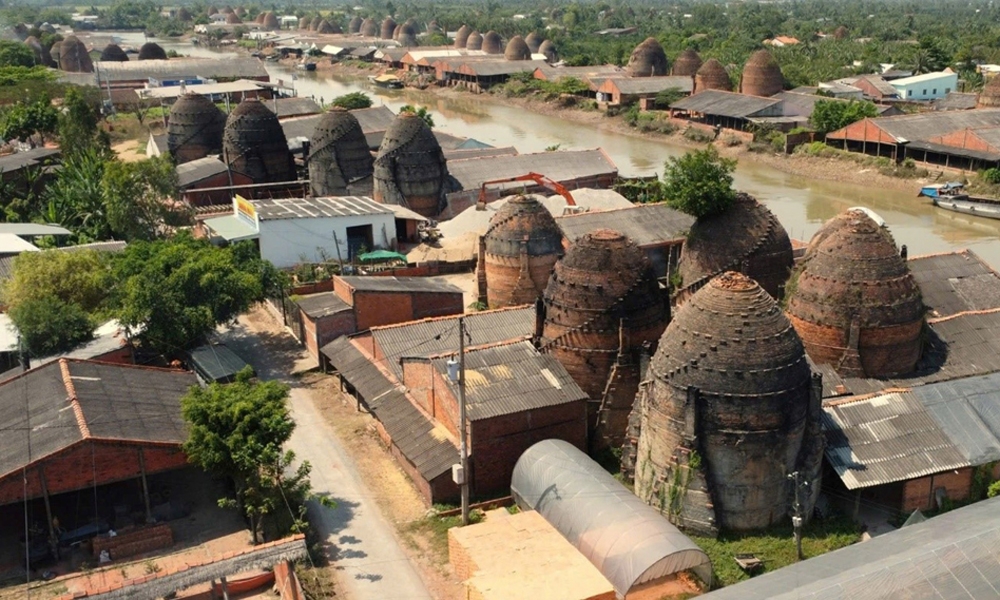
[[338, 154], [254, 144], [410, 169], [648, 60], [761, 75], [194, 128]]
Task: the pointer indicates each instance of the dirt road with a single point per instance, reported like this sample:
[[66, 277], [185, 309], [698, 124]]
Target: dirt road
[[360, 542]]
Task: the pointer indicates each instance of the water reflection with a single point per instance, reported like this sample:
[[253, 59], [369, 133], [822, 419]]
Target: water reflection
[[800, 203]]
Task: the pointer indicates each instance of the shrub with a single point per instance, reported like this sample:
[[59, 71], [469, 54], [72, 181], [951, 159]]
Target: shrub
[[352, 101], [990, 176], [700, 183], [697, 135]]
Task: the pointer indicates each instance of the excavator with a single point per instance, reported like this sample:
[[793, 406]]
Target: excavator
[[538, 178]]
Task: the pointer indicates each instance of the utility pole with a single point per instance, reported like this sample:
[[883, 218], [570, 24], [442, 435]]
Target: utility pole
[[796, 478], [456, 373]]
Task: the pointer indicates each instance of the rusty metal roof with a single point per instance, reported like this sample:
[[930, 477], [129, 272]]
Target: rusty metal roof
[[509, 378], [559, 166], [886, 438]]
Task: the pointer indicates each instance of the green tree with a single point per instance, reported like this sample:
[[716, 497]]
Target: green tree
[[174, 292], [75, 199], [994, 490], [353, 101], [667, 97], [48, 325], [700, 183], [135, 196], [238, 431], [25, 121], [420, 112], [77, 123], [831, 115], [15, 54], [80, 278]]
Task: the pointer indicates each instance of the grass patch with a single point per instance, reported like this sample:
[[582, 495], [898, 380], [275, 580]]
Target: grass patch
[[433, 530], [775, 546]]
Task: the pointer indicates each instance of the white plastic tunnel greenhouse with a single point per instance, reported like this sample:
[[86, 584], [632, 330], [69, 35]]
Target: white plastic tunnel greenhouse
[[628, 541]]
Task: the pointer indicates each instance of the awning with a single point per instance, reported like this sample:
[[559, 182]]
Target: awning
[[231, 228], [378, 255]]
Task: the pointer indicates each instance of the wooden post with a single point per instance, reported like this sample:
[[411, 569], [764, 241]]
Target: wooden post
[[48, 505], [145, 485]]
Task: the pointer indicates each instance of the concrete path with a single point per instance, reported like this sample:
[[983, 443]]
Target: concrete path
[[360, 542]]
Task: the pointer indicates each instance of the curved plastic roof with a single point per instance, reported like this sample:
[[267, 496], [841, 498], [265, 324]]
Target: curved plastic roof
[[628, 541]]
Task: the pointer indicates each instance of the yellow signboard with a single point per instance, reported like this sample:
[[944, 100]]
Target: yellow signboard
[[245, 208]]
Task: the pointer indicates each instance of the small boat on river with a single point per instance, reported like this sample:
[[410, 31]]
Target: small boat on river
[[951, 196], [386, 80]]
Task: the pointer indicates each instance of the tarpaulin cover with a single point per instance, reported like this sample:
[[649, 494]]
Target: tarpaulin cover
[[628, 541]]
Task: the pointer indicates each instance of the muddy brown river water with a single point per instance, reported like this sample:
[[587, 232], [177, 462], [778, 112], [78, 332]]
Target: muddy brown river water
[[802, 204]]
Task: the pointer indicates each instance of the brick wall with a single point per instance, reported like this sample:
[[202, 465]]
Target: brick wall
[[918, 494], [134, 542], [322, 331], [77, 467], [437, 304], [497, 443], [372, 309], [460, 559], [286, 582], [506, 287]]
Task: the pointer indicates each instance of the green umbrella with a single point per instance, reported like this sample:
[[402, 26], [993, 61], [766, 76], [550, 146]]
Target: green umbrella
[[379, 255]]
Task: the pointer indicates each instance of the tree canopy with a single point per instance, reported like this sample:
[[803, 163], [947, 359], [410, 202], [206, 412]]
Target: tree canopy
[[25, 120], [174, 292], [700, 182], [239, 431], [831, 115], [353, 101]]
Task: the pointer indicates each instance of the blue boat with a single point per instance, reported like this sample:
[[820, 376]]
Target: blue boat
[[951, 196]]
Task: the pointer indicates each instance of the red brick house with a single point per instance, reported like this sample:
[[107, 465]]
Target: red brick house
[[360, 303]]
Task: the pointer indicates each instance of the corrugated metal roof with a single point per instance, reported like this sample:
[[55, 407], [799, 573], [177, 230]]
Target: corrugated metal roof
[[954, 150], [427, 446], [174, 68], [956, 282], [647, 224], [954, 556], [291, 107], [401, 284], [314, 208], [197, 170], [956, 101], [320, 305], [491, 68], [511, 378], [923, 126], [968, 411], [724, 104], [650, 85], [466, 153], [886, 438], [29, 158], [431, 337], [117, 402], [559, 166]]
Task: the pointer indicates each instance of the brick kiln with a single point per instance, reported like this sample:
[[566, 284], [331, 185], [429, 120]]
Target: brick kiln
[[195, 128], [728, 409], [254, 144], [761, 75], [712, 76], [747, 238], [517, 49], [601, 306], [855, 303], [492, 44], [687, 64], [338, 154], [410, 169], [648, 60], [517, 253]]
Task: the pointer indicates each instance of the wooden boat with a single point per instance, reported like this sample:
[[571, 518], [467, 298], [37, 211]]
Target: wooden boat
[[951, 196], [386, 80]]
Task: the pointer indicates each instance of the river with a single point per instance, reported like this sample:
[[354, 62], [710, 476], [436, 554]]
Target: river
[[801, 204]]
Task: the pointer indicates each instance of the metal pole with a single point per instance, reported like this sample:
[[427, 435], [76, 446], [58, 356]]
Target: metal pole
[[797, 514], [463, 449]]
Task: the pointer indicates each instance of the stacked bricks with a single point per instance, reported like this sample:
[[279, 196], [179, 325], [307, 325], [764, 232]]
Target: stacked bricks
[[137, 541]]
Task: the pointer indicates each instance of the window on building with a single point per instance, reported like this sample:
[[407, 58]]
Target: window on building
[[934, 91], [947, 90], [924, 93], [909, 93]]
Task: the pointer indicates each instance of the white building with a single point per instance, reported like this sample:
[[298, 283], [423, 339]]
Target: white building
[[929, 86], [290, 231]]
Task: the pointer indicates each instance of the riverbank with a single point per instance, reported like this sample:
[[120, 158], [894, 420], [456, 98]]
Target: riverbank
[[841, 170]]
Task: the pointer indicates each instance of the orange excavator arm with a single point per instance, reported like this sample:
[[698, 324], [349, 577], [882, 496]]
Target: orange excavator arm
[[538, 178]]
